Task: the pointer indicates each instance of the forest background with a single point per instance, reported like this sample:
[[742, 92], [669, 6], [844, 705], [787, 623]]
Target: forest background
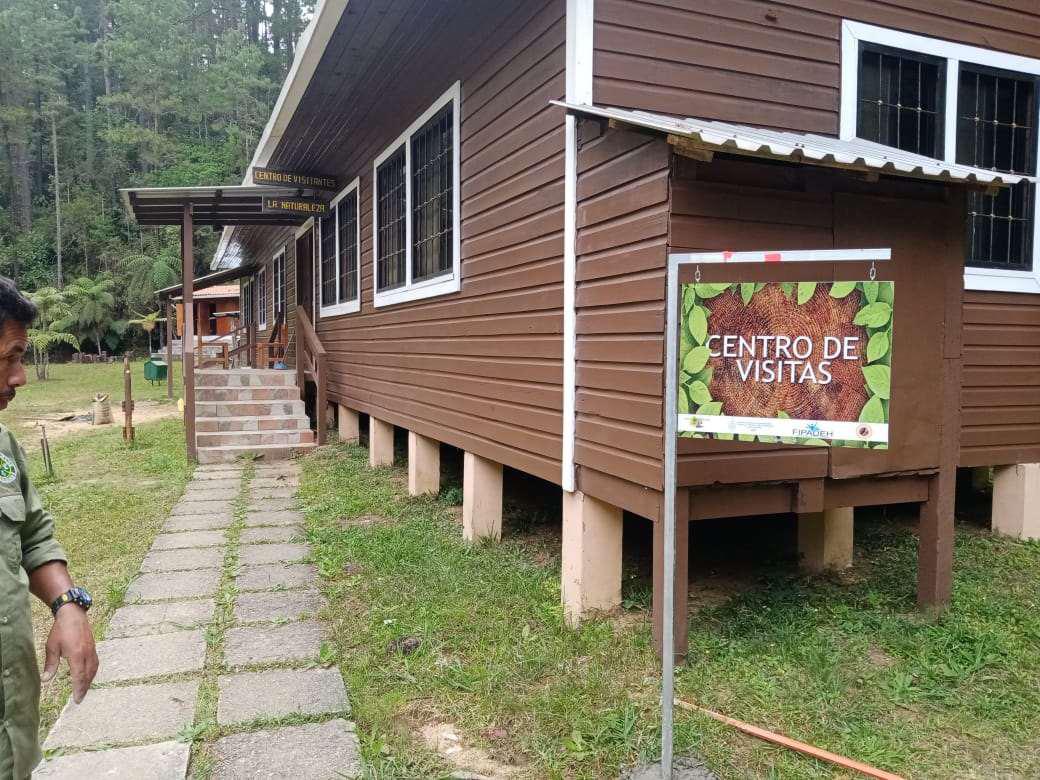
[[101, 94]]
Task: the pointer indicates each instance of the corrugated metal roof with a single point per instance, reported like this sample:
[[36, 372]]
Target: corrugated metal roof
[[808, 148]]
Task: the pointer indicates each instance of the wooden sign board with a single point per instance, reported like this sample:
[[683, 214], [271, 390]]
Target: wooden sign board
[[795, 363], [275, 178], [303, 206]]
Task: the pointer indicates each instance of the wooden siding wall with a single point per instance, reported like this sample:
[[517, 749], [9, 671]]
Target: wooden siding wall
[[622, 250], [480, 369], [770, 63], [265, 243], [626, 186], [1001, 394], [778, 64]]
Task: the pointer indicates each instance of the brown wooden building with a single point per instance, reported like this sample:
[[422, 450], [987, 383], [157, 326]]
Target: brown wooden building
[[515, 175]]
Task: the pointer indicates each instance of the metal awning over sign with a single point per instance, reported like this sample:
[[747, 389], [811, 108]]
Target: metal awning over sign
[[808, 148]]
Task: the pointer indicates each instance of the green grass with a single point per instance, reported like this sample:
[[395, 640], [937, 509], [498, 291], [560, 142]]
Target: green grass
[[109, 501], [71, 388], [844, 663]]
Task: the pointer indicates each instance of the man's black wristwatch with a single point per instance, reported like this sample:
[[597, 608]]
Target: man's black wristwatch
[[76, 596]]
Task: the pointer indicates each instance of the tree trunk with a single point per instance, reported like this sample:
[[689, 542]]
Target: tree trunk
[[57, 199], [97, 339], [21, 184]]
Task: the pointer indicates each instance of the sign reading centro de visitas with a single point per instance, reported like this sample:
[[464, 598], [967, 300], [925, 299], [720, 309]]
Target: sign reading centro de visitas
[[794, 362], [277, 178], [305, 206]]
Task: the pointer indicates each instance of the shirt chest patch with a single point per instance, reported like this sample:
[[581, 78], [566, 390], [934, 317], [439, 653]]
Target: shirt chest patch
[[8, 469]]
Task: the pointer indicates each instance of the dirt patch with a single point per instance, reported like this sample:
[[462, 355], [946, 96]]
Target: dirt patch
[[58, 428], [445, 740], [880, 658], [362, 521]]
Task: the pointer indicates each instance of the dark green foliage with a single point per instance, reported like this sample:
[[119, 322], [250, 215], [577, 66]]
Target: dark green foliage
[[136, 92]]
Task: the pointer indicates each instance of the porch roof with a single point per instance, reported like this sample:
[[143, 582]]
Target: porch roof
[[220, 205], [174, 291], [850, 154]]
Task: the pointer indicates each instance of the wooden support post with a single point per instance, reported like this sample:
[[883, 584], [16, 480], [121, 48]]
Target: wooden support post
[[591, 561], [188, 270], [349, 425], [481, 498], [321, 403], [128, 401], [1016, 501], [380, 443], [936, 527], [825, 539], [424, 465], [682, 576], [169, 348], [252, 342]]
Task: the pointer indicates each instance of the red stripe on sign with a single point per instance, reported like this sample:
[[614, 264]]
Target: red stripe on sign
[[727, 256], [772, 257]]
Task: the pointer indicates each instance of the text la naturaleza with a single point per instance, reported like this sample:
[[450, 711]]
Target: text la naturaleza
[[779, 359]]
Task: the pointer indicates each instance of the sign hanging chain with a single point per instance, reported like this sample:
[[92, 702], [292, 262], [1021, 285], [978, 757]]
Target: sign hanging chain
[[873, 271]]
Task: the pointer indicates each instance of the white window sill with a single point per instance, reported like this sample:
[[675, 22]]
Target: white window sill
[[429, 288], [993, 280], [261, 326], [349, 307]]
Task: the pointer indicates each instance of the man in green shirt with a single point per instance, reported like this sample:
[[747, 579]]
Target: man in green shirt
[[32, 562]]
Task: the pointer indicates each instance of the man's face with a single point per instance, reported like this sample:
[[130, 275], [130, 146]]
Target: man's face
[[13, 343]]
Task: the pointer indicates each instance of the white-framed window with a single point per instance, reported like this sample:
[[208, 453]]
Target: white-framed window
[[280, 289], [339, 254], [245, 303], [263, 298], [962, 104], [416, 245]]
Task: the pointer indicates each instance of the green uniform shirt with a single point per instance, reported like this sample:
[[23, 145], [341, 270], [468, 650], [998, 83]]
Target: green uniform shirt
[[26, 542]]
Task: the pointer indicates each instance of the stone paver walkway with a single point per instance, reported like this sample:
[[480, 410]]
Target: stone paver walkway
[[170, 666]]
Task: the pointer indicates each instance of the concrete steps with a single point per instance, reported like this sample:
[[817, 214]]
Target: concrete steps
[[249, 413], [280, 422]]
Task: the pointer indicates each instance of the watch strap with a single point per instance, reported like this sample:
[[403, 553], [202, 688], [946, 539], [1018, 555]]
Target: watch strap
[[70, 596]]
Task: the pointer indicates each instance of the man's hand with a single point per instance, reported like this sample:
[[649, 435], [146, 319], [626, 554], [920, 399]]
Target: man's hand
[[72, 639]]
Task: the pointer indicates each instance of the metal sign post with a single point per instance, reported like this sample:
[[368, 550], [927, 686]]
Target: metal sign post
[[672, 324]]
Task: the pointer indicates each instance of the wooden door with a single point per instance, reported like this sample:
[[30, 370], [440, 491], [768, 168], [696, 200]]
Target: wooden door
[[305, 273]]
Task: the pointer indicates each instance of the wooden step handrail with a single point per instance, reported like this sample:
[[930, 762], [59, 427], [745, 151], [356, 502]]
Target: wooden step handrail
[[311, 357]]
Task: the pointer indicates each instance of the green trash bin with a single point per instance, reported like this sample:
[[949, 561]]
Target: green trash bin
[[155, 370]]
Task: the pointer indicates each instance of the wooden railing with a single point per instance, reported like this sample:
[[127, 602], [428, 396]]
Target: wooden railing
[[311, 361], [273, 350], [244, 339]]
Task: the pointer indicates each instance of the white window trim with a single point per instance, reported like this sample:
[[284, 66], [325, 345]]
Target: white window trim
[[341, 307], [991, 279], [438, 285], [262, 299]]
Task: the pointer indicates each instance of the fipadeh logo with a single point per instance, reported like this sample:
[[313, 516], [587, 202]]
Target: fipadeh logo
[[813, 431], [8, 469]]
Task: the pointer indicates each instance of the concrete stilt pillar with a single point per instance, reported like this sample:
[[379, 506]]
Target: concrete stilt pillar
[[825, 539], [349, 425], [591, 570], [380, 443], [481, 498], [1016, 500], [424, 465]]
